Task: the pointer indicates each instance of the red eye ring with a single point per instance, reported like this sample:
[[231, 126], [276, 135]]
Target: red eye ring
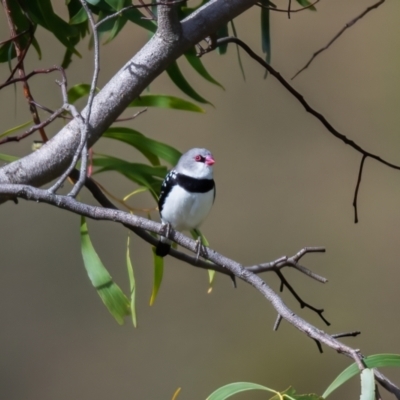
[[198, 157]]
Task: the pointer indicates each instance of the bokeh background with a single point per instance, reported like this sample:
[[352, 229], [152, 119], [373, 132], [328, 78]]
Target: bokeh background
[[283, 183]]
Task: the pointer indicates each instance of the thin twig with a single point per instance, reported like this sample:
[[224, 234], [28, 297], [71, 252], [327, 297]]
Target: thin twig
[[347, 26], [33, 128], [346, 334], [289, 10], [277, 322], [360, 171], [142, 5], [302, 303], [302, 101], [85, 133]]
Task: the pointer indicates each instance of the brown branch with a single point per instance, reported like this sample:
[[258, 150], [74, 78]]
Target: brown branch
[[302, 101], [347, 26], [360, 171], [21, 71], [98, 213]]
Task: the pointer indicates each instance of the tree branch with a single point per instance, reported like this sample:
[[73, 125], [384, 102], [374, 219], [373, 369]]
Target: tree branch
[[54, 157], [98, 213]]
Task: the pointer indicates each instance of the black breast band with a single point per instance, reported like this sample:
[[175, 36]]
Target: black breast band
[[194, 185]]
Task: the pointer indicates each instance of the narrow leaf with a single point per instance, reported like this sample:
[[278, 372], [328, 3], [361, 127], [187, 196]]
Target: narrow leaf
[[306, 3], [229, 390], [164, 101], [177, 77], [198, 66], [374, 361], [132, 283], [78, 91], [238, 51], [142, 174], [151, 149], [115, 4], [110, 293], [79, 17], [135, 16], [367, 384], [8, 158], [158, 275], [221, 33], [15, 129]]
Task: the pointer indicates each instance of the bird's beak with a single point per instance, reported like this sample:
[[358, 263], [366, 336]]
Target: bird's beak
[[209, 160]]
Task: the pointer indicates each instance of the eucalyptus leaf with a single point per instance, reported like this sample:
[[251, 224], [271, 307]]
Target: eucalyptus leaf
[[110, 293], [231, 389], [151, 149], [132, 283], [177, 77], [158, 263], [198, 66], [164, 101], [374, 361]]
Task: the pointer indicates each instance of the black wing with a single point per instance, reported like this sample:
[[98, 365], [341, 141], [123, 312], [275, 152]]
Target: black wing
[[170, 181]]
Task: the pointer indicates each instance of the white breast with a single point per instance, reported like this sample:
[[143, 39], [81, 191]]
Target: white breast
[[185, 210]]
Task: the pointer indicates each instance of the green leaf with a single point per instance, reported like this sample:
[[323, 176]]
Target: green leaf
[[374, 361], [135, 16], [115, 4], [79, 17], [118, 23], [229, 390], [198, 66], [305, 3], [221, 33], [238, 51], [290, 393], [142, 174], [110, 293], [367, 384], [8, 158], [158, 275], [36, 46], [15, 129], [177, 77], [42, 13], [150, 148], [132, 283], [78, 91], [265, 31], [164, 101]]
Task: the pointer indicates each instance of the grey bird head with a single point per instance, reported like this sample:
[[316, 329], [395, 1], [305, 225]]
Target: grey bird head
[[196, 163]]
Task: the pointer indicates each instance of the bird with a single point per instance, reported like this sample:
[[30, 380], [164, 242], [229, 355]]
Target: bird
[[187, 195]]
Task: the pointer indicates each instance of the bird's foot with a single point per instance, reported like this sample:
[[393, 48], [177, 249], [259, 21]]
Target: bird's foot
[[166, 230], [199, 248]]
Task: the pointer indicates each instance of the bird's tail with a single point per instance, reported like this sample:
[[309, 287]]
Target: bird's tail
[[163, 247]]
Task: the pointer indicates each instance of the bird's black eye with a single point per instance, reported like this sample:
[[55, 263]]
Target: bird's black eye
[[199, 158]]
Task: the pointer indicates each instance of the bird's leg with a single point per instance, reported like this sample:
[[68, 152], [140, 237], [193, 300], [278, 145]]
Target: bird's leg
[[199, 245], [166, 229]]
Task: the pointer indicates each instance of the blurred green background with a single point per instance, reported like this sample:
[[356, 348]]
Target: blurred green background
[[283, 183]]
